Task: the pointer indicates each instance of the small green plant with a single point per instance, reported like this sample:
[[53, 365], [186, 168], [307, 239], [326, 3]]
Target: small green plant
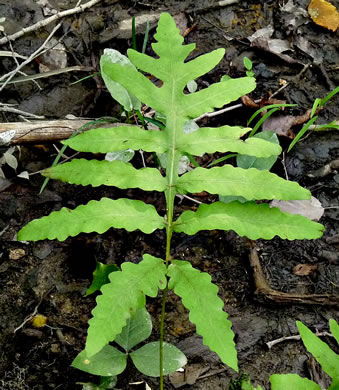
[[243, 383], [318, 103], [127, 289], [327, 358], [248, 66]]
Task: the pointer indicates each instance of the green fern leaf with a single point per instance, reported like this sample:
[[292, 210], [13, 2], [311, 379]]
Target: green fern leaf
[[175, 73], [249, 183], [118, 138], [109, 173], [215, 96], [95, 216], [225, 139], [248, 219], [121, 298], [327, 358], [335, 330], [292, 381], [200, 297]]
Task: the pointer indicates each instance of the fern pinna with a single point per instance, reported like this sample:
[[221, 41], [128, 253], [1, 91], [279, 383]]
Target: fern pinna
[[129, 287]]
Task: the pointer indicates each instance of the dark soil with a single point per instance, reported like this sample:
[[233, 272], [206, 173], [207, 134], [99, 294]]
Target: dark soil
[[50, 277]]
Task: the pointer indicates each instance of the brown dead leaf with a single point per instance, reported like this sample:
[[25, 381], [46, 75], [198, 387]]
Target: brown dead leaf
[[324, 14], [188, 376], [304, 269], [280, 124], [249, 102], [16, 254]]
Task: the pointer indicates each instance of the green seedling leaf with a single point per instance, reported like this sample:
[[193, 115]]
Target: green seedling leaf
[[267, 163], [246, 385], [329, 96], [266, 108], [262, 120], [134, 35], [119, 138], [328, 359], [144, 44], [200, 297], [248, 183], [248, 63], [248, 219], [109, 173], [226, 139], [327, 126], [335, 330], [107, 362], [114, 308], [100, 276], [316, 104], [146, 359], [292, 381], [117, 91], [95, 216], [108, 382], [138, 328], [302, 132]]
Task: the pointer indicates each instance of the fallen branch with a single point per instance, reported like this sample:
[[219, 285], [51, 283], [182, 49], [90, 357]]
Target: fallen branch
[[39, 132], [51, 19], [263, 288]]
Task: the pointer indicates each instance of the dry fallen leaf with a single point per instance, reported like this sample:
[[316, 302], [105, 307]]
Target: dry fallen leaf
[[304, 269], [324, 14], [310, 209], [16, 254], [280, 124]]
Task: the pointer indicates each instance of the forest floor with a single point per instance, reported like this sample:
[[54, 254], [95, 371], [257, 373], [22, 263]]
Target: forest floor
[[51, 277]]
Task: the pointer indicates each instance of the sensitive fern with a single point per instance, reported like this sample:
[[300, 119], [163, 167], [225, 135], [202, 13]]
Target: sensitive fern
[[250, 219]]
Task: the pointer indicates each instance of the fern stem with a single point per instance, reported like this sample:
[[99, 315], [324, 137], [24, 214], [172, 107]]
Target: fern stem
[[170, 207], [162, 323]]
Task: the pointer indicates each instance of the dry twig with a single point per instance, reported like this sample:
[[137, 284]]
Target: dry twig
[[270, 344], [11, 74], [51, 19]]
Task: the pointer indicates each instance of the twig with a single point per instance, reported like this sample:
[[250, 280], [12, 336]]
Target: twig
[[284, 164], [219, 112], [14, 55], [11, 74], [218, 4], [5, 108], [270, 344], [51, 19], [30, 316], [189, 198]]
